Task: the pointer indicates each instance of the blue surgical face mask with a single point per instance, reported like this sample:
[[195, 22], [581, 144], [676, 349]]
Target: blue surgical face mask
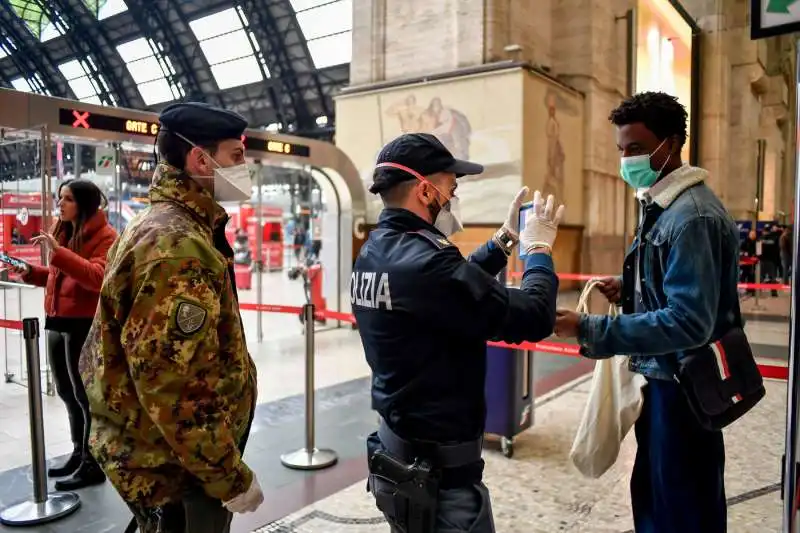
[[637, 172]]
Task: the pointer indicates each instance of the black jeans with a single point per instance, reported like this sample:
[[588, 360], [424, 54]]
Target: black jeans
[[64, 352]]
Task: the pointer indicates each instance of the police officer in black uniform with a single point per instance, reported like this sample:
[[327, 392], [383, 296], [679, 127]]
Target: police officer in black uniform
[[424, 314]]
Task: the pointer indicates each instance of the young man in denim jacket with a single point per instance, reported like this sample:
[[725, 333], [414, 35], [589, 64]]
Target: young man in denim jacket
[[678, 293]]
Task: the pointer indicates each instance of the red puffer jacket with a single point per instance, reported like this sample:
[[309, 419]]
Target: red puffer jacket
[[72, 281]]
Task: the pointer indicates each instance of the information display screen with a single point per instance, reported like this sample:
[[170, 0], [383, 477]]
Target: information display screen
[[79, 119], [276, 147], [94, 121]]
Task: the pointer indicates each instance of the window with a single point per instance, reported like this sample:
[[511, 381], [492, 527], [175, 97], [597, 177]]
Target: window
[[30, 11], [151, 70], [86, 89], [33, 84], [21, 84], [228, 47], [102, 9], [328, 28]]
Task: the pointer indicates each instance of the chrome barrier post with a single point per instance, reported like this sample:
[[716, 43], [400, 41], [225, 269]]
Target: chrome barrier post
[[758, 306], [789, 475], [260, 251], [310, 457], [43, 507]]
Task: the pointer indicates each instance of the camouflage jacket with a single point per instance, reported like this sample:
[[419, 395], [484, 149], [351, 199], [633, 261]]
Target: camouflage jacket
[[170, 383]]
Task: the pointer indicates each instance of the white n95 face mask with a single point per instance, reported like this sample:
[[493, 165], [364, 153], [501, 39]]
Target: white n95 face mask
[[233, 184], [448, 221]]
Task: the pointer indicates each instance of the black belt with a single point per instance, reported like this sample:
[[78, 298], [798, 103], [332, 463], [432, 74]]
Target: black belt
[[442, 455]]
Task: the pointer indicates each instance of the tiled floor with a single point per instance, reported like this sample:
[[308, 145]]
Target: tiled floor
[[538, 491], [767, 306]]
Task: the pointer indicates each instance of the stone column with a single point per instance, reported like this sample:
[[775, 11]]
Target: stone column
[[715, 81], [589, 38]]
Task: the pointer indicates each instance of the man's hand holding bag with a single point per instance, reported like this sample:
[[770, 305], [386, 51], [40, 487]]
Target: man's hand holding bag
[[615, 402]]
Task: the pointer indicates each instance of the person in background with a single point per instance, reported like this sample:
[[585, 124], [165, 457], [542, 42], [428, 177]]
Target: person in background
[[786, 244], [770, 256], [678, 292], [171, 385], [16, 237], [316, 238], [77, 246], [299, 240], [749, 249]]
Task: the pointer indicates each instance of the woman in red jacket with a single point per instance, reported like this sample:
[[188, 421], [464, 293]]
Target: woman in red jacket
[[78, 247]]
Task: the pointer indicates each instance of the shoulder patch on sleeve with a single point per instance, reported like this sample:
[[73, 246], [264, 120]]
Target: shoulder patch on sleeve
[[189, 317], [437, 240]]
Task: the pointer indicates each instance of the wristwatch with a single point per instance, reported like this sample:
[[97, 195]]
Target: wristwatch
[[505, 240]]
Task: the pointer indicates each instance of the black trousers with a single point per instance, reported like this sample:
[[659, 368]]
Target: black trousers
[[195, 513], [64, 352]]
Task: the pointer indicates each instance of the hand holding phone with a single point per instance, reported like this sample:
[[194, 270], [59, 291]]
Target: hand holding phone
[[539, 224], [18, 266]]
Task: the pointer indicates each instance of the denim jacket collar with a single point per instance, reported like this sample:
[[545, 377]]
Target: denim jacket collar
[[665, 191], [688, 262]]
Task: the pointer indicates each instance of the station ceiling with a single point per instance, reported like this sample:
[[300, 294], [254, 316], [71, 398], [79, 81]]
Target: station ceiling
[[277, 62]]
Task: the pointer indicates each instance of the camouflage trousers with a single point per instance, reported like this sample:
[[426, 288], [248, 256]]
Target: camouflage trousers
[[195, 513]]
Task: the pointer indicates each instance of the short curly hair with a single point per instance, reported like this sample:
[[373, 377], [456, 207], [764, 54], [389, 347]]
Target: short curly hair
[[660, 112]]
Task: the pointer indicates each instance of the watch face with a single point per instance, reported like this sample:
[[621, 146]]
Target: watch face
[[508, 241]]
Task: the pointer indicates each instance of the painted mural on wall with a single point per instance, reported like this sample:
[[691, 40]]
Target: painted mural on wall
[[481, 119], [449, 125], [556, 107]]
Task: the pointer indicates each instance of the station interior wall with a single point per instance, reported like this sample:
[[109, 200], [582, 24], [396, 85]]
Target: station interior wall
[[743, 103]]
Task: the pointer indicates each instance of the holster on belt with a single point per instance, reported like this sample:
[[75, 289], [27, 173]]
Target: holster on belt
[[404, 478], [405, 493]]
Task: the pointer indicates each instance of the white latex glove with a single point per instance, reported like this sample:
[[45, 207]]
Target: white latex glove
[[512, 222], [248, 501], [541, 224]]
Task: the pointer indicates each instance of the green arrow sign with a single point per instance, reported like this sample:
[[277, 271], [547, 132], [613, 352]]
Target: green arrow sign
[[780, 6]]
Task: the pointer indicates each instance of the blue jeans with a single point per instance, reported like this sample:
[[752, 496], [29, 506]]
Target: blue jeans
[[677, 484], [463, 510]]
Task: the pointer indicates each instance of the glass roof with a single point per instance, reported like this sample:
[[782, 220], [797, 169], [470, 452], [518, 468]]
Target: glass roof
[[151, 70], [33, 16], [84, 86], [228, 46], [45, 29], [327, 26], [21, 84], [30, 85], [102, 9], [225, 39]]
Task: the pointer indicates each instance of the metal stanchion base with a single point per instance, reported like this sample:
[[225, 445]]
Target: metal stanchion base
[[29, 513], [302, 459]]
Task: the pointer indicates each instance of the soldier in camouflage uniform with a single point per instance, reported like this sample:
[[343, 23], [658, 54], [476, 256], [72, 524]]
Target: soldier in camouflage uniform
[[171, 386]]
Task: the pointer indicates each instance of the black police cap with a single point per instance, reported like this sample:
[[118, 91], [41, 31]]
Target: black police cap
[[421, 152], [202, 123]]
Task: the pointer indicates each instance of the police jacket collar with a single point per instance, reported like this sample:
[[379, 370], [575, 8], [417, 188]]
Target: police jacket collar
[[173, 185], [404, 220]]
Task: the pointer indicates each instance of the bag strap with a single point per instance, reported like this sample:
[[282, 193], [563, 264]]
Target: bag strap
[[583, 300], [738, 321]]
